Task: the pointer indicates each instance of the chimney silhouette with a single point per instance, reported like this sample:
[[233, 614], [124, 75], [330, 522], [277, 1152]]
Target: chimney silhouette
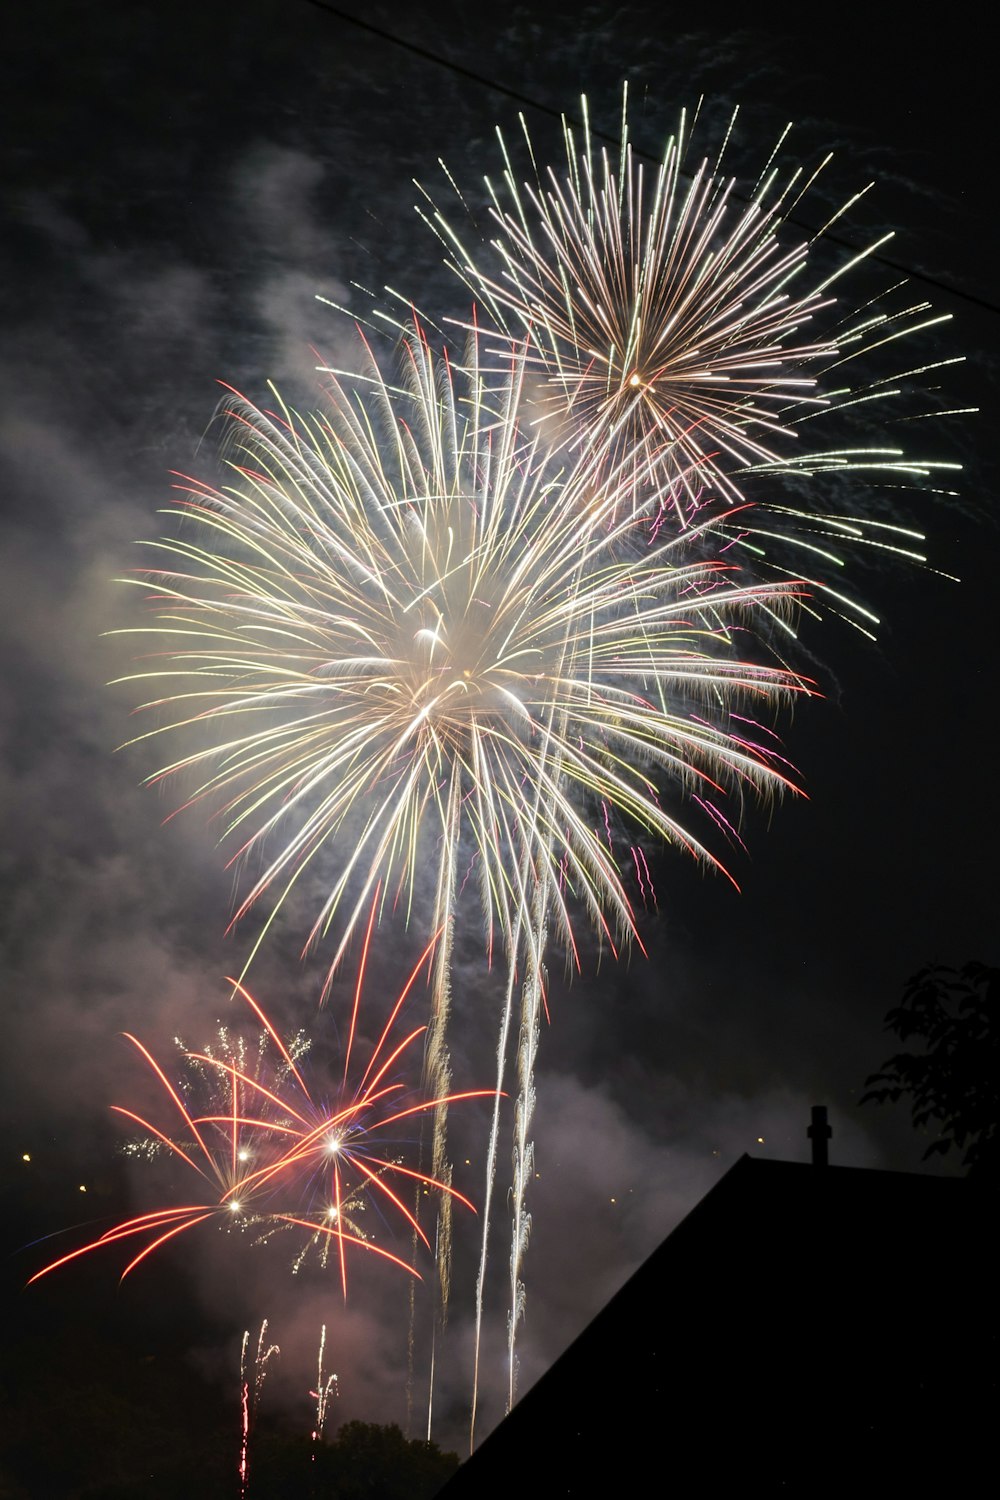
[[819, 1133]]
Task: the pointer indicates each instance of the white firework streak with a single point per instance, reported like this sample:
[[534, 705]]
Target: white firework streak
[[524, 1150]]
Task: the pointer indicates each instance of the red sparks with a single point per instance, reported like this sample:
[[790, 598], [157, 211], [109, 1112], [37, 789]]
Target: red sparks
[[265, 1145]]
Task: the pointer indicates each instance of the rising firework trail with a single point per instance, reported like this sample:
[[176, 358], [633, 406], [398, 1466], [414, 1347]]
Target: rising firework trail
[[251, 1384], [326, 1386]]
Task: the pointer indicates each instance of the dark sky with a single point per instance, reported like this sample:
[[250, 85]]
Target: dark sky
[[183, 181]]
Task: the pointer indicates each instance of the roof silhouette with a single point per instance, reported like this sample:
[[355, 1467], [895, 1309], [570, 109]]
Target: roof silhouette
[[804, 1330]]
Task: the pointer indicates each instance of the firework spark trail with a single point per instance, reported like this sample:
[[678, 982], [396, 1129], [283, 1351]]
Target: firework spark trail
[[326, 1386], [663, 323], [532, 998], [524, 1150], [438, 1069], [251, 1385], [532, 993], [490, 1182]]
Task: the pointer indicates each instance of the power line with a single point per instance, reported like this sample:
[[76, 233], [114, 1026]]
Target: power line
[[484, 81]]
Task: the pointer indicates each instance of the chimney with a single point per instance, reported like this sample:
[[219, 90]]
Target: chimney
[[819, 1133]]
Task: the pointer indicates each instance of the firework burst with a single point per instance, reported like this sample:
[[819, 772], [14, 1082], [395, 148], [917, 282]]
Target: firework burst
[[684, 330], [272, 1154], [404, 613]]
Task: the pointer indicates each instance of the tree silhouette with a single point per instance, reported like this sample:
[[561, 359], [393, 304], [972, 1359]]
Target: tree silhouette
[[365, 1461], [952, 1080]]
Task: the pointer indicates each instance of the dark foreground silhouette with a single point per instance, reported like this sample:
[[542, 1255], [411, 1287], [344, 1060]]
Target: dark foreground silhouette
[[952, 1078], [365, 1461], [806, 1330]]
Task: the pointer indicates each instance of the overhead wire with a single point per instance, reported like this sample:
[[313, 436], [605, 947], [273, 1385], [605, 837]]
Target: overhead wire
[[528, 101]]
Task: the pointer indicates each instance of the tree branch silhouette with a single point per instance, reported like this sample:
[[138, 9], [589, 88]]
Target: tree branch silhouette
[[952, 1080]]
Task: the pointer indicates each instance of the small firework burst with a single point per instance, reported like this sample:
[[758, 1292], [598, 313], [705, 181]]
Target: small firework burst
[[275, 1154]]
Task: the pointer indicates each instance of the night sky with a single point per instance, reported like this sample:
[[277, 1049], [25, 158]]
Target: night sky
[[183, 181]]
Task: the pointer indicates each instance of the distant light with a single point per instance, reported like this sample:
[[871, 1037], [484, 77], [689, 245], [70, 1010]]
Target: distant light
[[760, 1140], [614, 1200], [333, 1144], [234, 1207], [82, 1188], [26, 1156], [331, 1212], [243, 1156]]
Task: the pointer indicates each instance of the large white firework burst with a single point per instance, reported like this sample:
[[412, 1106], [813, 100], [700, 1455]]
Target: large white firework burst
[[403, 624]]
